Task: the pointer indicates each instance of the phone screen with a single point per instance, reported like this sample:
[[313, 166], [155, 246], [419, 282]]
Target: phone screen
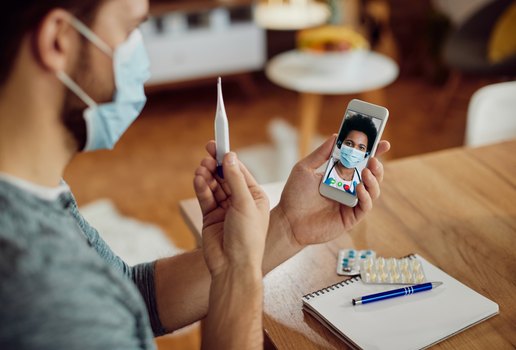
[[352, 150]]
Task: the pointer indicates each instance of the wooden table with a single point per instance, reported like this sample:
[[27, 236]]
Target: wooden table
[[457, 208]]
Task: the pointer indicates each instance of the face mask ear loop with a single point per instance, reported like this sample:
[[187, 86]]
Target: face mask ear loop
[[88, 34], [65, 79]]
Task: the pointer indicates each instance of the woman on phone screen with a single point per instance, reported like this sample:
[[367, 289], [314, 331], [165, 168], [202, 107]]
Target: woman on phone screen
[[355, 142]]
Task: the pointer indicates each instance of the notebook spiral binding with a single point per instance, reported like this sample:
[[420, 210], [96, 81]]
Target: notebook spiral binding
[[332, 287]]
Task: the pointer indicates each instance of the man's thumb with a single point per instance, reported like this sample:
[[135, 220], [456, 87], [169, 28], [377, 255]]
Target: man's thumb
[[318, 157], [235, 179]]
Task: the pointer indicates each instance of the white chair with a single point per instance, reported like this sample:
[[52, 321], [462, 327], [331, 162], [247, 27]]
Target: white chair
[[492, 115]]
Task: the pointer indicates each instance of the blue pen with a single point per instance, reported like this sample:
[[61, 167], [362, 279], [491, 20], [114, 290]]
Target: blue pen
[[396, 293]]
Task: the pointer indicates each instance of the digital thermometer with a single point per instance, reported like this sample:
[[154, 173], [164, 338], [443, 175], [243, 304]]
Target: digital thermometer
[[221, 129]]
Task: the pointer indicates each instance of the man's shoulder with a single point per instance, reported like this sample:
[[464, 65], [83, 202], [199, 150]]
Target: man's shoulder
[[37, 237], [23, 213]]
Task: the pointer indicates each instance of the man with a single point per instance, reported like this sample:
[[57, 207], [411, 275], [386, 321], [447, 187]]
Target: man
[[71, 78]]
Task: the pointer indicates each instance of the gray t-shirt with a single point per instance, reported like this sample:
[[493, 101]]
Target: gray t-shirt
[[61, 287]]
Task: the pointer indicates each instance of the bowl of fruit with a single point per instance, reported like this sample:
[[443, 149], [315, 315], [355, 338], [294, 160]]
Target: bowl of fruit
[[333, 49]]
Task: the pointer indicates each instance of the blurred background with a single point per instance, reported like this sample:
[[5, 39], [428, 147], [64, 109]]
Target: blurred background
[[289, 68]]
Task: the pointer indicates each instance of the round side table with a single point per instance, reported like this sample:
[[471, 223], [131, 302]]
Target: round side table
[[314, 76]]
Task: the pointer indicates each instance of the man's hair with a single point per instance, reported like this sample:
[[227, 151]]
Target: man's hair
[[361, 123], [21, 17]]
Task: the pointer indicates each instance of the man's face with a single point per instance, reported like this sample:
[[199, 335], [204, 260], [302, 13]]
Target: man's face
[[114, 22]]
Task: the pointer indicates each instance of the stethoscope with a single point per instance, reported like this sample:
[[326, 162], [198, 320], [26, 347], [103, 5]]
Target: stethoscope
[[333, 166]]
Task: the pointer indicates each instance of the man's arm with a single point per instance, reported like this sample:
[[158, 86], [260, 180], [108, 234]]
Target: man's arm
[[175, 289], [142, 275], [235, 300], [183, 282], [182, 286], [233, 250], [234, 319]]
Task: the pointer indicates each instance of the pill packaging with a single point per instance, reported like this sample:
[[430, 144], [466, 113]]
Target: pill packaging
[[379, 270], [348, 262], [392, 271]]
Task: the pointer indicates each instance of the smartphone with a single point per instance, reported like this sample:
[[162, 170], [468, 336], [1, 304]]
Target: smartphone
[[358, 138]]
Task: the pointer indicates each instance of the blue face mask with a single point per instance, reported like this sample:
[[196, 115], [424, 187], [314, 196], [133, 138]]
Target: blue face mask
[[351, 157], [106, 122]]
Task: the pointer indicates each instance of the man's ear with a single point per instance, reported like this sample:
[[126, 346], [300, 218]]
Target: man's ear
[[55, 41]]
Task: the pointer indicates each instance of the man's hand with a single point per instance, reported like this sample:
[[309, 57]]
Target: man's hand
[[235, 216], [303, 216], [313, 218], [235, 223]]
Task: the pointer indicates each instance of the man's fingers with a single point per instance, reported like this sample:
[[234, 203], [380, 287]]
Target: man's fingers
[[383, 147], [211, 148], [216, 188], [249, 178], [376, 168], [365, 203], [371, 184], [204, 195], [235, 179], [210, 164], [318, 157]]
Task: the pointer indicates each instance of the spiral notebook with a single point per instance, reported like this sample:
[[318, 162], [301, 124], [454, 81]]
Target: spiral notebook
[[417, 321]]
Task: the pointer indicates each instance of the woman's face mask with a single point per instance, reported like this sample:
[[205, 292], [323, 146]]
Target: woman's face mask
[[106, 122], [351, 157]]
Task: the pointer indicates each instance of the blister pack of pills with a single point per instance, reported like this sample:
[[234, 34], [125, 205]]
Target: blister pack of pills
[[348, 262], [380, 270]]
